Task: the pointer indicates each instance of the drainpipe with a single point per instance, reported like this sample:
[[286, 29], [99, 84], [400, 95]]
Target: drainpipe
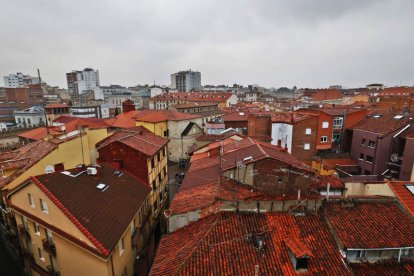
[[399, 255], [112, 266]]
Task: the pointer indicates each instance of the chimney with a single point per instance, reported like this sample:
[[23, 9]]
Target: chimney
[[127, 106]]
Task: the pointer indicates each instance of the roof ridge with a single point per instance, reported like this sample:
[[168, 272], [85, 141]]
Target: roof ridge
[[72, 218]]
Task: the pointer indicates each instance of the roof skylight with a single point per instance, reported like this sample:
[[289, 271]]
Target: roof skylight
[[410, 187]]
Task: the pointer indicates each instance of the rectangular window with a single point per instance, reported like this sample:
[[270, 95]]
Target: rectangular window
[[370, 159], [31, 200], [43, 206], [338, 121], [363, 141], [308, 131], [158, 157], [306, 146], [371, 144], [36, 228], [121, 246], [152, 163], [325, 124], [164, 152], [154, 185], [159, 179], [361, 156], [156, 205], [324, 139], [41, 256]]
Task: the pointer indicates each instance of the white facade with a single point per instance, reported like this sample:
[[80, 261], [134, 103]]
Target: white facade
[[185, 81], [88, 79], [19, 80], [32, 116], [282, 132], [155, 90]]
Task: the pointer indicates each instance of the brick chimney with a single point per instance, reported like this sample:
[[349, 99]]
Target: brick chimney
[[128, 105]]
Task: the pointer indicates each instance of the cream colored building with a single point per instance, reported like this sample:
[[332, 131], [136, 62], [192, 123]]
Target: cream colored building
[[91, 221]]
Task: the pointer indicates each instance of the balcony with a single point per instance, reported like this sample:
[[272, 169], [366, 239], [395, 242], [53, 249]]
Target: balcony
[[24, 232], [49, 246], [51, 271]]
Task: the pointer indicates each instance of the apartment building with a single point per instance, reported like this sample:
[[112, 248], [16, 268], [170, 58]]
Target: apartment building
[[79, 81], [144, 155], [185, 81], [19, 80], [85, 221]]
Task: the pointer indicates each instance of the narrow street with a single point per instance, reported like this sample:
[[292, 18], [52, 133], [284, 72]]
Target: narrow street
[[9, 263]]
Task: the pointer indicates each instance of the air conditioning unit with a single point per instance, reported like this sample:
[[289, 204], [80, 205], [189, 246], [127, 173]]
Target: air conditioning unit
[[92, 171]]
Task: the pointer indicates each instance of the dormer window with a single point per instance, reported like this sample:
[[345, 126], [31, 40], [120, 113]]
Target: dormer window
[[299, 253]]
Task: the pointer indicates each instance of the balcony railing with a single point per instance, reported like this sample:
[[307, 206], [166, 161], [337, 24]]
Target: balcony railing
[[24, 232], [49, 246]]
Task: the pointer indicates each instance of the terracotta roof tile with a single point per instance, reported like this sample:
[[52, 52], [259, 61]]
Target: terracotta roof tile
[[384, 267], [123, 120], [34, 134], [371, 225], [326, 94], [228, 244], [138, 138], [155, 116], [194, 96], [382, 124], [24, 158], [403, 194], [97, 214]]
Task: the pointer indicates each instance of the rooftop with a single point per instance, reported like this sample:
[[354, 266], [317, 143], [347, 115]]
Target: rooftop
[[364, 225], [404, 191], [233, 244], [155, 116], [194, 96], [137, 138], [102, 215], [123, 120], [382, 124]]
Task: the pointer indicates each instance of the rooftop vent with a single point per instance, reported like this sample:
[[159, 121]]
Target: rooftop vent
[[377, 115], [398, 117], [102, 187], [118, 173], [241, 113], [92, 171]]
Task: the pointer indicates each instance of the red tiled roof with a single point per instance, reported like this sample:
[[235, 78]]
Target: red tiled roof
[[24, 158], [236, 116], [72, 123], [217, 137], [34, 134], [92, 211], [227, 244], [193, 104], [383, 125], [123, 120], [403, 194], [138, 138], [155, 116], [384, 267], [371, 225], [323, 180], [326, 95]]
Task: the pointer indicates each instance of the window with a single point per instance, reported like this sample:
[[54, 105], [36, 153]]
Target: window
[[370, 159], [308, 131], [363, 141], [336, 137], [154, 185], [325, 124], [152, 163], [161, 196], [367, 172], [324, 139], [371, 144], [306, 146], [41, 256], [164, 152], [156, 205], [36, 228], [158, 157], [338, 121], [121, 246], [159, 179], [31, 201], [361, 156], [43, 206]]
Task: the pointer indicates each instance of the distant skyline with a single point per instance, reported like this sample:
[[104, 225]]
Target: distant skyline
[[270, 43]]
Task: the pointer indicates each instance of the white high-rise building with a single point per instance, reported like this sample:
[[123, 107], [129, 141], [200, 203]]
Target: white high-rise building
[[186, 81], [19, 80], [79, 81]]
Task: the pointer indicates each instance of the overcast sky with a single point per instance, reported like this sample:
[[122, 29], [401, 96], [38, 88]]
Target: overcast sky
[[308, 43]]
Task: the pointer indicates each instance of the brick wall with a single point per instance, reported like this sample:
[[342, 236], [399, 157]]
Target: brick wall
[[300, 138]]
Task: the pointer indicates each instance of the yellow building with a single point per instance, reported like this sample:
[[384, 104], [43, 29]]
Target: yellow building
[[86, 221]]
